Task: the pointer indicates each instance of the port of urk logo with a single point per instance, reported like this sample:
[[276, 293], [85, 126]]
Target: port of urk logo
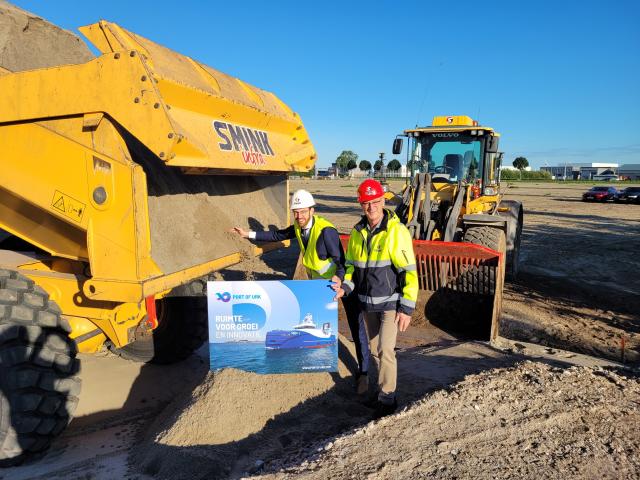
[[225, 296]]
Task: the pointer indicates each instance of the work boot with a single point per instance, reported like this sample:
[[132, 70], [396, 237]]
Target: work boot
[[384, 409], [362, 384], [371, 401]]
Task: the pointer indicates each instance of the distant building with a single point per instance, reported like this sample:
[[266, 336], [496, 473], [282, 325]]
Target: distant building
[[584, 171], [404, 172], [568, 172], [630, 171], [357, 173]]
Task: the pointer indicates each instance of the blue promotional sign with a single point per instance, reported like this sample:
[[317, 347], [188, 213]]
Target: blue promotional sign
[[288, 326]]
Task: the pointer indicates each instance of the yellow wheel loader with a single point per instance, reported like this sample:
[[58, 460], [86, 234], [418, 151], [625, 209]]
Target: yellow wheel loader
[[456, 194], [465, 233], [121, 178]]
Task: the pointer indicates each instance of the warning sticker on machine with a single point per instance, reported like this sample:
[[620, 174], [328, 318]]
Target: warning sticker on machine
[[67, 205]]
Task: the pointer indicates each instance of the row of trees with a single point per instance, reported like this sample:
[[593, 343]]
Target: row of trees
[[348, 160]]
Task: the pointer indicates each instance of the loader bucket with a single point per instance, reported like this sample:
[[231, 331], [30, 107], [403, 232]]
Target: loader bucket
[[217, 121], [460, 288]]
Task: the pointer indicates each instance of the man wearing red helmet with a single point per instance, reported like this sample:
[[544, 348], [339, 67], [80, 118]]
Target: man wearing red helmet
[[322, 257], [381, 269]]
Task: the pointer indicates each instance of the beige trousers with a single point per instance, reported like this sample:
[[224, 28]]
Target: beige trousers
[[383, 330]]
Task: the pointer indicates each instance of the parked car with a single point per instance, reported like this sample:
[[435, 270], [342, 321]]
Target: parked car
[[600, 194], [628, 195]]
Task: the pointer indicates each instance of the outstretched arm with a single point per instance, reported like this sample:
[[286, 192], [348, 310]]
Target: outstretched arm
[[268, 236], [243, 233]]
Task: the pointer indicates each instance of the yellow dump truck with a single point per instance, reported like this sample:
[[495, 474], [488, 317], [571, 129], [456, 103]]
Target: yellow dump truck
[[121, 177]]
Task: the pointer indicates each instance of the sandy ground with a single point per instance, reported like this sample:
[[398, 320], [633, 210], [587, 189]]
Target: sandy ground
[[575, 296], [528, 421], [580, 288]]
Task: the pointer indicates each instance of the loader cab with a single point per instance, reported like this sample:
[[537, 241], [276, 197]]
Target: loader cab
[[455, 150], [449, 159]]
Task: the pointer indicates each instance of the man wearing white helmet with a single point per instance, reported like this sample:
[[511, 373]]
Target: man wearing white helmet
[[322, 257], [322, 253]]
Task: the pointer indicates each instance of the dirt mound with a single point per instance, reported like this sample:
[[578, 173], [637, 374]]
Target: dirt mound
[[235, 420], [528, 421], [28, 41]]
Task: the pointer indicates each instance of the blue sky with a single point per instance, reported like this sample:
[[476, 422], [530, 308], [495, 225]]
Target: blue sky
[[559, 79]]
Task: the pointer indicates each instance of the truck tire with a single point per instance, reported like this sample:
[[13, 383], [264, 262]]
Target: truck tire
[[513, 254], [490, 237], [182, 329], [515, 220], [39, 384]]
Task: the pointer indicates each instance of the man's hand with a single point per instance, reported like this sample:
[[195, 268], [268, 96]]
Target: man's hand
[[336, 283], [339, 294], [402, 319], [241, 232]]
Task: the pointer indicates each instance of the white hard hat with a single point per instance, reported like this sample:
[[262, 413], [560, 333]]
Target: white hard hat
[[302, 199]]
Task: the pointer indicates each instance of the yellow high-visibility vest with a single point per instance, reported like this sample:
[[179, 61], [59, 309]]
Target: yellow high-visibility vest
[[316, 267]]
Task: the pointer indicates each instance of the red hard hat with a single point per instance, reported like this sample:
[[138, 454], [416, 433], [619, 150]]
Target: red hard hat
[[369, 190]]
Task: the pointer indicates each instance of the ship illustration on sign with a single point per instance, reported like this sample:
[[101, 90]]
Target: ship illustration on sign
[[303, 335]]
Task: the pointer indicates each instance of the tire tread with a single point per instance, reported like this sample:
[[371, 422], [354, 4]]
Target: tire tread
[[39, 369]]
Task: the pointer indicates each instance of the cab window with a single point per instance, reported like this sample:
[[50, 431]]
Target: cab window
[[451, 159]]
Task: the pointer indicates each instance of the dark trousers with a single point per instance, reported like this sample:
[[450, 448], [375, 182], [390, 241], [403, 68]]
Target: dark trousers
[[352, 309]]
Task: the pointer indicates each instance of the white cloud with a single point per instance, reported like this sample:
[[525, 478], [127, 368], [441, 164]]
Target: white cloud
[[331, 306]]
